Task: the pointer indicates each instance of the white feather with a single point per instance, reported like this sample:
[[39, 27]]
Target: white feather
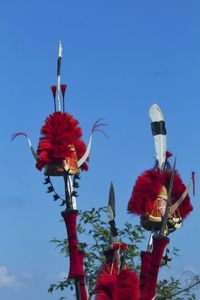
[[160, 140]]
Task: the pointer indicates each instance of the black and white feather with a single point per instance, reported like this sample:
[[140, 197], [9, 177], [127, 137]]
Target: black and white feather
[[159, 133]]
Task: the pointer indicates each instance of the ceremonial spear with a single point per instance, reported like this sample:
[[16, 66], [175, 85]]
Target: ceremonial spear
[[116, 280], [61, 152], [162, 201]]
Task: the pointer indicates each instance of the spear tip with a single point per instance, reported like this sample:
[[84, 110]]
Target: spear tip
[[60, 49]]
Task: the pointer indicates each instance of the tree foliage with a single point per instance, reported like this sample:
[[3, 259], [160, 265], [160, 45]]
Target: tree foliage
[[93, 228]]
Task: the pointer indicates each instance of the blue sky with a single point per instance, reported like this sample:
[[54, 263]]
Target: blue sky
[[119, 57]]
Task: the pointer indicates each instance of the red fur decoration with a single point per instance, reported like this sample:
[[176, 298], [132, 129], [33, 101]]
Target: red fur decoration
[[59, 132], [147, 189], [128, 285], [122, 286], [106, 287]]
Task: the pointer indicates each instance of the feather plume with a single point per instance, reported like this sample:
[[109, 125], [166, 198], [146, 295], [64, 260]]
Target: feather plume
[[159, 133], [96, 127], [29, 142]]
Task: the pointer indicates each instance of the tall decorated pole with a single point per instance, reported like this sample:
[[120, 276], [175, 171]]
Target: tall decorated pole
[[62, 153], [161, 200]]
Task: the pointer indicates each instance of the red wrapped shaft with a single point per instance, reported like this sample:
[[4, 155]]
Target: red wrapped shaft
[[75, 271], [144, 280], [159, 244], [82, 280]]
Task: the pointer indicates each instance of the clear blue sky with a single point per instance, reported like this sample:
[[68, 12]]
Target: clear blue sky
[[119, 57]]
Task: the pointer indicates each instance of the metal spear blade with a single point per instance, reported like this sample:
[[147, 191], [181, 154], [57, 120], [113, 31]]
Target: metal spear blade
[[111, 203]]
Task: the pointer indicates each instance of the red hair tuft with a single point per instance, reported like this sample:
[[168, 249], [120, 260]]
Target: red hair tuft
[[59, 132]]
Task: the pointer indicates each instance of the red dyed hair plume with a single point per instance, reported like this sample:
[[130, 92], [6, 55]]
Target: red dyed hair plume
[[147, 188], [106, 286], [59, 132], [122, 286], [128, 285]]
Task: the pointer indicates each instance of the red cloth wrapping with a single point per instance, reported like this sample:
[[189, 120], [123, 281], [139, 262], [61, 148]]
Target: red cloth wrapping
[[75, 270], [159, 244], [145, 262], [82, 280]]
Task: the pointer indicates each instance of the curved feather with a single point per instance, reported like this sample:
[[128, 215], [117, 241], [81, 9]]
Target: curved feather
[[96, 127], [159, 133], [29, 142]]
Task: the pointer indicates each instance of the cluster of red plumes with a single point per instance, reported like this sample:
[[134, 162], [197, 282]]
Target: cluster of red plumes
[[122, 286], [59, 133], [147, 188]]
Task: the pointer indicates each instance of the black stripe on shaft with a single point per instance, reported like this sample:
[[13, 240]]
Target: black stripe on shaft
[[158, 128], [113, 228], [59, 66]]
